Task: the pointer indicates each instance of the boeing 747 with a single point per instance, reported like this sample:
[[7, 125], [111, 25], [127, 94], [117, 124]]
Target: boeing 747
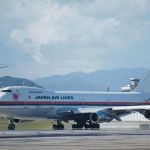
[[86, 109]]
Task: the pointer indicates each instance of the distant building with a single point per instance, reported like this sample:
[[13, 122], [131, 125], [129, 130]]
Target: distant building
[[131, 86], [135, 117], [128, 88]]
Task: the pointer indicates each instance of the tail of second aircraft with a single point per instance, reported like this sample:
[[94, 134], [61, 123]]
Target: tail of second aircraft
[[144, 85]]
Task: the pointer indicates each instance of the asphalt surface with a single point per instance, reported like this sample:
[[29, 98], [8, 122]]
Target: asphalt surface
[[75, 140]]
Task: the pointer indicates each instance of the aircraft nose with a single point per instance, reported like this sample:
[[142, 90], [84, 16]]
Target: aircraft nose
[[2, 95]]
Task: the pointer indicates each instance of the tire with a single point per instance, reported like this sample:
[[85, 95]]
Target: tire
[[11, 127], [73, 126], [54, 127], [60, 127]]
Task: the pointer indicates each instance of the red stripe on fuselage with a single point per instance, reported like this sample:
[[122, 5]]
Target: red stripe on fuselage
[[71, 103]]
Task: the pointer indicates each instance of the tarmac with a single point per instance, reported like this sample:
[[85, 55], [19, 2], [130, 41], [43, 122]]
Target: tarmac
[[116, 139], [74, 140]]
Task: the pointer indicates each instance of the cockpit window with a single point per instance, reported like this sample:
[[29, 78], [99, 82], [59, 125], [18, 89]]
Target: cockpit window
[[6, 91]]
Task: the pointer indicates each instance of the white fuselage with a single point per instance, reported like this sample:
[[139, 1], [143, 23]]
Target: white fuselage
[[33, 103]]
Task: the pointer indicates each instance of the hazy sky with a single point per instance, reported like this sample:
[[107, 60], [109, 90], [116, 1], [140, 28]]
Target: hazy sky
[[45, 37]]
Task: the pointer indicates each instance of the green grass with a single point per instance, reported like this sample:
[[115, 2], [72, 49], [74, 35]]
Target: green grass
[[34, 125]]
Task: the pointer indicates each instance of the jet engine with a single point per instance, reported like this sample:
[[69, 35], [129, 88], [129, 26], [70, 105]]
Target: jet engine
[[100, 116], [147, 114], [16, 121]]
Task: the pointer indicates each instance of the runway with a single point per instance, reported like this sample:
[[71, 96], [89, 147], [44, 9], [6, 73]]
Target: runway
[[75, 140]]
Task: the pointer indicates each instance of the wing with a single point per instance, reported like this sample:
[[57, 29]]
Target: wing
[[98, 115]]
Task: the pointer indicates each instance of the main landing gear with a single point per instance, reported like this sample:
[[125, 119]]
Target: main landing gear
[[11, 124], [78, 125], [81, 125], [58, 126]]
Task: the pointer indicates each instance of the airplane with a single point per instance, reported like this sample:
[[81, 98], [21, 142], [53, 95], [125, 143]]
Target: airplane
[[87, 109]]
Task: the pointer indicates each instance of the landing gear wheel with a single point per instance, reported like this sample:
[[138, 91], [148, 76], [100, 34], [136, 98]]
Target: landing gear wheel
[[83, 124], [73, 126], [58, 126], [54, 126], [11, 126], [79, 125], [94, 126]]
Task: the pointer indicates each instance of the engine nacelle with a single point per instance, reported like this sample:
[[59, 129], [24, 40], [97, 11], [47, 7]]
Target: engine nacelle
[[16, 121], [100, 116], [147, 114]]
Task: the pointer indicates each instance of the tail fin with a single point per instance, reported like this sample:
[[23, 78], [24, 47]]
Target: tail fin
[[144, 85]]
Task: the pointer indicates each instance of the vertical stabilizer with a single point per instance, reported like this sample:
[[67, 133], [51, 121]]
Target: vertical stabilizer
[[144, 85]]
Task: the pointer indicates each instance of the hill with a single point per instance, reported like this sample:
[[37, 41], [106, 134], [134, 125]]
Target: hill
[[96, 81], [12, 81]]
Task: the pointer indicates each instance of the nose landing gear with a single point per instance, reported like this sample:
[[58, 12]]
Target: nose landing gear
[[11, 124]]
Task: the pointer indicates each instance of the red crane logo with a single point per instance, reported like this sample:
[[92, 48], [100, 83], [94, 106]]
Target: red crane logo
[[15, 96]]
